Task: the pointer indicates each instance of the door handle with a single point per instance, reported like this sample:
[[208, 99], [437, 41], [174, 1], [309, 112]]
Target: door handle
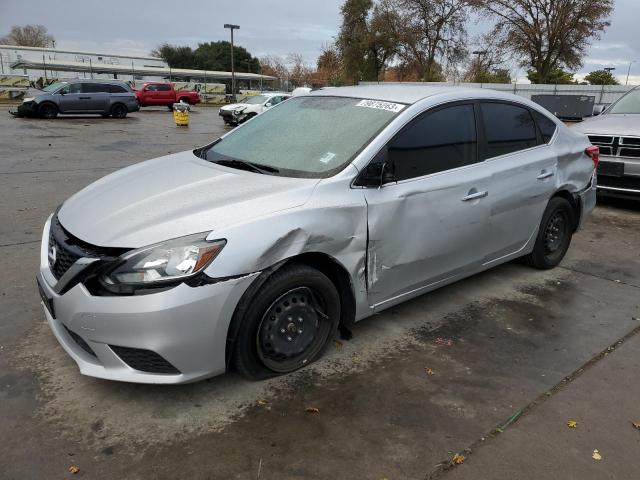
[[475, 196], [545, 174]]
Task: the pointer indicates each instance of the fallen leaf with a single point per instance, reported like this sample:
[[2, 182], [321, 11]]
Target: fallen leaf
[[73, 469], [458, 459], [636, 425], [445, 342], [572, 424], [596, 455], [338, 344], [312, 410], [429, 371], [262, 402]]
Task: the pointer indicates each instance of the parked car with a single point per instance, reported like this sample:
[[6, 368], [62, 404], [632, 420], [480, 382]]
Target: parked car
[[617, 132], [163, 93], [251, 251], [249, 107], [105, 97]]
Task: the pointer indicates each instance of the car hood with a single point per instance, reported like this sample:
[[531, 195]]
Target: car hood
[[173, 196], [234, 106], [611, 124]]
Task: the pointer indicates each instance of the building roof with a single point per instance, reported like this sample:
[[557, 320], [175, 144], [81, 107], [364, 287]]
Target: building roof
[[96, 67], [74, 52]]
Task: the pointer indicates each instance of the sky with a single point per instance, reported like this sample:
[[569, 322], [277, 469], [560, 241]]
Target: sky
[[276, 27]]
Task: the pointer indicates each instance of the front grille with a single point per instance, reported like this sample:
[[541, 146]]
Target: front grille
[[80, 341], [65, 249], [614, 146], [626, 182], [144, 360]]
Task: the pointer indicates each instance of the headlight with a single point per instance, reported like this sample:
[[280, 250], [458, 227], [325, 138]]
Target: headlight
[[27, 99], [238, 111], [165, 262]]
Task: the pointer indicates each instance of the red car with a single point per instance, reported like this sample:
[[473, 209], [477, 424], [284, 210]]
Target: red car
[[163, 93]]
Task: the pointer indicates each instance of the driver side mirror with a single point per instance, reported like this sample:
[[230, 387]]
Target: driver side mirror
[[379, 172], [268, 104], [598, 109]]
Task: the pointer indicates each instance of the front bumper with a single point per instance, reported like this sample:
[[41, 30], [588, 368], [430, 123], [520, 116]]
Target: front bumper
[[26, 109], [627, 183], [184, 326]]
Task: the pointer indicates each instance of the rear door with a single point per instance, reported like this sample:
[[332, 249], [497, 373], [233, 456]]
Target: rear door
[[96, 96], [430, 224], [522, 167]]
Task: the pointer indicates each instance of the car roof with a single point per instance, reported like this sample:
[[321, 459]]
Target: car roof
[[273, 94], [93, 80], [408, 94]]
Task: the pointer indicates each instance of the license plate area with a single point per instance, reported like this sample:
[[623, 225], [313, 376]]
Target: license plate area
[[611, 169], [48, 301]]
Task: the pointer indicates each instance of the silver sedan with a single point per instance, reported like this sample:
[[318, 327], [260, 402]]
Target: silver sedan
[[252, 251]]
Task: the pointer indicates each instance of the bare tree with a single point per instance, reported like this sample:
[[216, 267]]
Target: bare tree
[[428, 33], [487, 64], [28, 36], [299, 72], [329, 67], [548, 35]]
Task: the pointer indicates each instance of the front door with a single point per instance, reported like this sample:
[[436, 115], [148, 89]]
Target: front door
[[70, 98], [429, 225]]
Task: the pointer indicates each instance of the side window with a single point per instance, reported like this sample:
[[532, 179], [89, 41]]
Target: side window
[[152, 88], [508, 128], [95, 88], [163, 88], [117, 89], [546, 126], [436, 141], [74, 88]]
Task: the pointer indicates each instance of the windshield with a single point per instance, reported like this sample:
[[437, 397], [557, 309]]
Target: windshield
[[53, 87], [312, 137], [255, 100], [630, 103]]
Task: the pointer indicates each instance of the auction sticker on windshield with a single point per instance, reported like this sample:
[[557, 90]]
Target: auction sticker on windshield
[[388, 106]]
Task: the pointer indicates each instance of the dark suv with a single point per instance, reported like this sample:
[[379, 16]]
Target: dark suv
[[105, 97]]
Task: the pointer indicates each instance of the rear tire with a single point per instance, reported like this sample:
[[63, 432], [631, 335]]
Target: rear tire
[[119, 111], [48, 110], [286, 324], [554, 235]]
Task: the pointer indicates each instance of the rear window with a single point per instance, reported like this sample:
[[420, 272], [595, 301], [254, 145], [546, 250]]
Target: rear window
[[163, 88], [546, 126], [117, 89], [95, 88], [508, 128]]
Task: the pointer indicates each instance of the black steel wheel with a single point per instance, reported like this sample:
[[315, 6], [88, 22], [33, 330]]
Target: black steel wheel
[[554, 235], [48, 110], [285, 322], [119, 111]]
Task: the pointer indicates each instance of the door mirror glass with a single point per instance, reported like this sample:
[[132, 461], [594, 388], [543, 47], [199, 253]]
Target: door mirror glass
[[598, 109]]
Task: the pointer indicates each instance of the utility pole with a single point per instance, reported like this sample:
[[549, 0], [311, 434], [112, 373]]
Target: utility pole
[[478, 54], [233, 72]]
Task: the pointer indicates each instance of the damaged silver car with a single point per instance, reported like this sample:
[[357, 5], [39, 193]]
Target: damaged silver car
[[251, 252]]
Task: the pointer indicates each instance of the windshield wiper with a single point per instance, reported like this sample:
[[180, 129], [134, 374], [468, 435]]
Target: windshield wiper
[[254, 167]]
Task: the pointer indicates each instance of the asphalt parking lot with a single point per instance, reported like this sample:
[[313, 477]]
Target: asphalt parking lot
[[491, 368]]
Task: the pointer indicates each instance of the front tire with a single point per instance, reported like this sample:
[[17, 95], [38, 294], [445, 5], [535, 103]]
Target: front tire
[[287, 323], [48, 110], [554, 235]]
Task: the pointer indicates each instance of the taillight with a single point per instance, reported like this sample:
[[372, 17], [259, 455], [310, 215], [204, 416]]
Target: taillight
[[594, 153]]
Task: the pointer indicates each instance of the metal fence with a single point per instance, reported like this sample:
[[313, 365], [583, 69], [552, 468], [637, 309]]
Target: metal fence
[[604, 94]]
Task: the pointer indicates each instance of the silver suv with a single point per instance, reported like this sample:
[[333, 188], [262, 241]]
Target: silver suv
[[105, 97]]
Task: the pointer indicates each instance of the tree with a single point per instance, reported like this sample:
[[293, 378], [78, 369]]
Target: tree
[[487, 65], [601, 77], [329, 70], [556, 76], [28, 36], [299, 72], [428, 33], [208, 56], [364, 41], [274, 66], [175, 56], [548, 35]]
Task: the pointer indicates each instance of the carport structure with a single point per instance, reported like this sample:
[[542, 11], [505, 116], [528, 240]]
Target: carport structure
[[254, 80]]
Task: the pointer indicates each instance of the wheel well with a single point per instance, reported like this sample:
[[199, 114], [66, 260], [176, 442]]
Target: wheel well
[[48, 103], [186, 99], [116, 104], [320, 261], [574, 202]]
